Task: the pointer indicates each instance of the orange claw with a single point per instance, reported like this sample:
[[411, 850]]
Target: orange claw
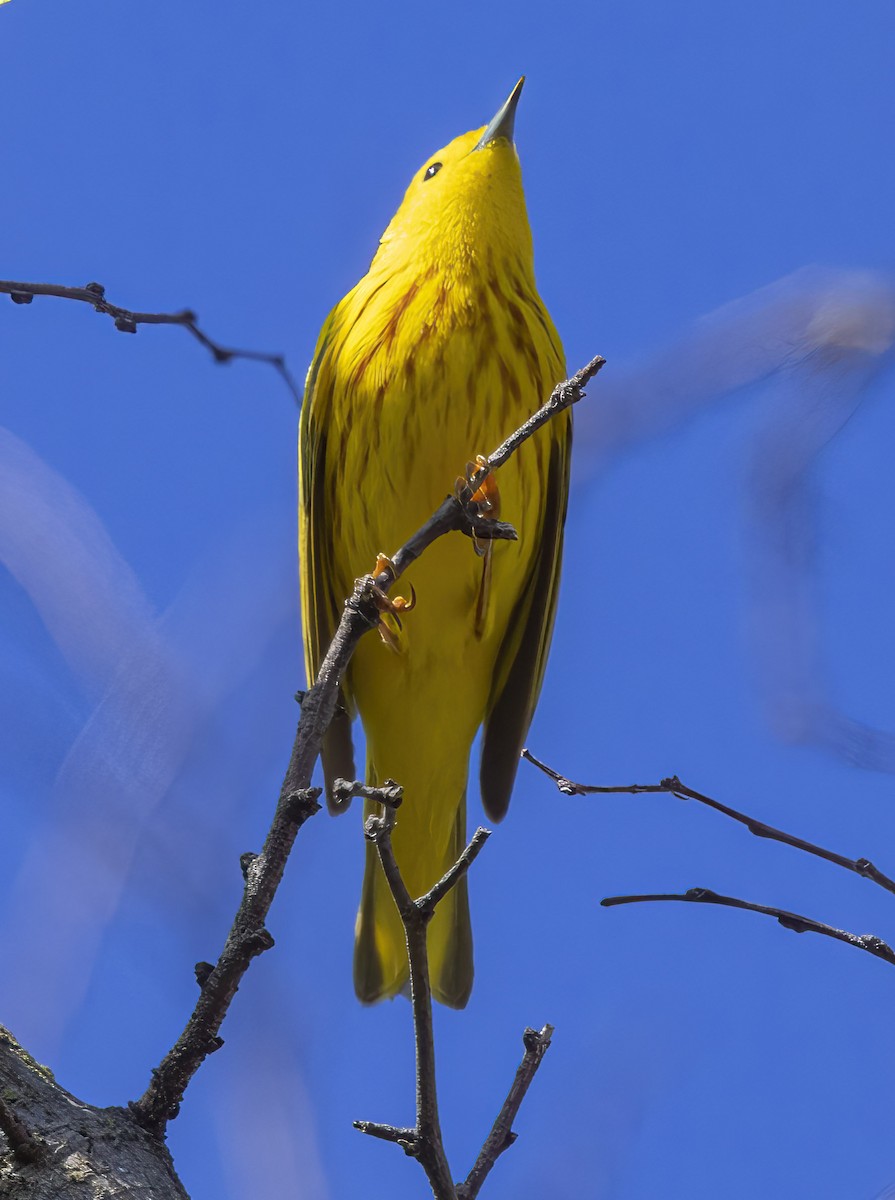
[[486, 498], [399, 604], [390, 622]]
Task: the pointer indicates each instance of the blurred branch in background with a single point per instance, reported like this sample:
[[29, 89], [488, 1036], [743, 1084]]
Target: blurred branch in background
[[812, 318], [266, 1060], [819, 339], [154, 681]]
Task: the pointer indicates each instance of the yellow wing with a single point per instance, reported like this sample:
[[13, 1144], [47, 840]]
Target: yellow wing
[[320, 605], [523, 652]]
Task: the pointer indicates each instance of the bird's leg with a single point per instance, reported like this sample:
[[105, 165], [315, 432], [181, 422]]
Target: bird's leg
[[485, 501], [389, 608]]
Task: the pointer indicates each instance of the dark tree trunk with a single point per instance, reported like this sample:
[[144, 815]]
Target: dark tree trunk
[[54, 1147]]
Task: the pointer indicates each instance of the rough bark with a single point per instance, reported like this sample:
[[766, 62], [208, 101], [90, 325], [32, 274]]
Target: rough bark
[[55, 1147]]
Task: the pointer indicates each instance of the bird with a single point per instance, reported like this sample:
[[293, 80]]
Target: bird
[[440, 351]]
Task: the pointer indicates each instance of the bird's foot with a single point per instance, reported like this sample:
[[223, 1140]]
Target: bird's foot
[[389, 608], [485, 500]]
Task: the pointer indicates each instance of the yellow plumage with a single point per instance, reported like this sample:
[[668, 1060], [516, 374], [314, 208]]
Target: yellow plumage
[[440, 351]]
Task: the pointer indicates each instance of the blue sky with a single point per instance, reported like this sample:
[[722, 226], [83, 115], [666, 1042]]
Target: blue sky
[[242, 160]]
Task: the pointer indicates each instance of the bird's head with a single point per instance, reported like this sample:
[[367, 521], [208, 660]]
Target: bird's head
[[465, 204]]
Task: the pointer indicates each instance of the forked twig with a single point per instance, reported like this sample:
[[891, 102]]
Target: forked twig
[[501, 1137], [424, 1140]]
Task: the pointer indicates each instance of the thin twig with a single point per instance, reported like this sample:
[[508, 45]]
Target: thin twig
[[428, 902], [798, 924], [401, 1135], [425, 1142], [388, 793], [127, 321], [673, 787], [247, 939], [563, 396], [569, 788], [298, 801], [501, 1137]]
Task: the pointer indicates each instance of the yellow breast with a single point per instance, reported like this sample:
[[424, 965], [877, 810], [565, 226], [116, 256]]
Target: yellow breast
[[425, 376]]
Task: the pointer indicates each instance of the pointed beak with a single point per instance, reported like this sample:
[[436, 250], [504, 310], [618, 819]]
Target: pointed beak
[[501, 125]]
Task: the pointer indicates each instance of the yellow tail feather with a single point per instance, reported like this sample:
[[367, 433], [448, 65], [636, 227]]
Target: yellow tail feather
[[380, 952]]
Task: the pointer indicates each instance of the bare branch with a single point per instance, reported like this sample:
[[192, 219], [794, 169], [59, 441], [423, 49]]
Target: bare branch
[[388, 793], [298, 800], [427, 903], [563, 396], [426, 1144], [860, 866], [798, 924], [568, 788], [400, 1135], [501, 1136], [247, 939], [127, 321], [673, 787]]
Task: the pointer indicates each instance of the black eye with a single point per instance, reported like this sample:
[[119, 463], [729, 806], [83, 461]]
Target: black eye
[[431, 170]]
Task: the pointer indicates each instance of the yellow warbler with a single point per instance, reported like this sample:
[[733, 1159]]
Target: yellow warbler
[[440, 351]]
